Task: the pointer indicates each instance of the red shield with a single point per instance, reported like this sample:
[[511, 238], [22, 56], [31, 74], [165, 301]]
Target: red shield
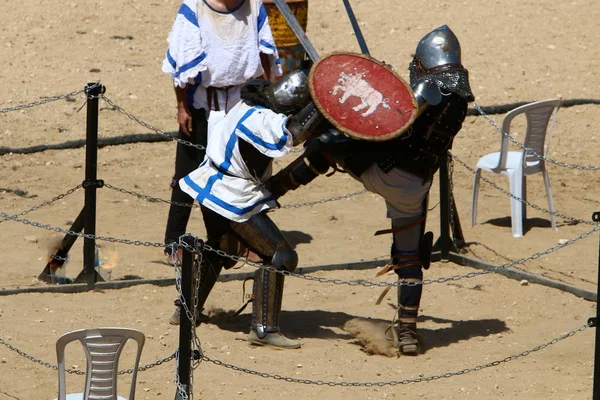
[[362, 97]]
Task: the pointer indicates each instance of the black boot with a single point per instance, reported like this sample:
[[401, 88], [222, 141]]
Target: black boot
[[210, 268]]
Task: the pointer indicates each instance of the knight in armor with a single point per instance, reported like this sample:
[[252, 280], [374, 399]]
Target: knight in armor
[[401, 169], [229, 185]]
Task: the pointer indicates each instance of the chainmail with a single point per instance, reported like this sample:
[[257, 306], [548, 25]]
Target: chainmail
[[455, 81]]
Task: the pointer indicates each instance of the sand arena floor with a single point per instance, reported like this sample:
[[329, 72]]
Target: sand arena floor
[[515, 51]]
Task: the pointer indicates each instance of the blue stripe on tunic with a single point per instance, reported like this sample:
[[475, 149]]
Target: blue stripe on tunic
[[262, 17], [271, 146], [267, 44], [190, 64], [171, 60], [189, 14]]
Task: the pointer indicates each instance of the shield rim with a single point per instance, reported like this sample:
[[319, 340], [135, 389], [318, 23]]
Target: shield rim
[[350, 132]]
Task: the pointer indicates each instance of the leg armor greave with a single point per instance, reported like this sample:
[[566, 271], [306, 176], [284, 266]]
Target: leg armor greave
[[265, 238], [268, 293], [408, 264], [409, 296]]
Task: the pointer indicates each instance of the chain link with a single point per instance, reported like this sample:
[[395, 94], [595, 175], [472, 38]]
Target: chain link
[[81, 234], [287, 206], [312, 203], [557, 214], [59, 197], [47, 100], [309, 277], [79, 372], [530, 151], [404, 381], [149, 198], [400, 283], [148, 126]]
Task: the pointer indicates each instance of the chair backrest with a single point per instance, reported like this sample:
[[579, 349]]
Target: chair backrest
[[102, 347], [538, 115]]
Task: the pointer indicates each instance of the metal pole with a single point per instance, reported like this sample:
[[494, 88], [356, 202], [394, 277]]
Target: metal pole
[[185, 327], [444, 241], [93, 90], [596, 395], [356, 27]]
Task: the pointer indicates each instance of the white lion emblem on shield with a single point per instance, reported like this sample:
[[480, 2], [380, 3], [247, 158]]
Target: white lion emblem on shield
[[355, 85]]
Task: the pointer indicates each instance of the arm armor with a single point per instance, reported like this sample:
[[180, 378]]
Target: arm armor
[[302, 125], [427, 94], [301, 171]]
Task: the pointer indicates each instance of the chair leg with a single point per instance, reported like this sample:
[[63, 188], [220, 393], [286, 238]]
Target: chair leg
[[550, 200], [516, 206], [524, 197], [475, 198]]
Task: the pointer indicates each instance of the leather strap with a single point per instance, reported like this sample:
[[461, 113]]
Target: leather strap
[[399, 228]]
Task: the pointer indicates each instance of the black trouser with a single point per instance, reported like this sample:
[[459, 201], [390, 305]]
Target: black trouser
[[187, 159]]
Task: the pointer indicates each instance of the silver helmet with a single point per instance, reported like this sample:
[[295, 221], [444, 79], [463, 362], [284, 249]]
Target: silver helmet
[[437, 51], [292, 89]]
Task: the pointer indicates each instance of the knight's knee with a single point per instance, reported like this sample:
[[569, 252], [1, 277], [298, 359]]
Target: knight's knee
[[285, 258]]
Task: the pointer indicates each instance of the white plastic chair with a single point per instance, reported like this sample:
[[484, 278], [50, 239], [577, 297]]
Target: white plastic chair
[[518, 164], [102, 348]]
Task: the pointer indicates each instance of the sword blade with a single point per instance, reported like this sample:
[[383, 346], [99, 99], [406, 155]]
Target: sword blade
[[289, 16], [357, 31]]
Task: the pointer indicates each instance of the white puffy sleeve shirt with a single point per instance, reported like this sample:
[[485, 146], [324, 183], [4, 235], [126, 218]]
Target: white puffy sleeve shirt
[[209, 48]]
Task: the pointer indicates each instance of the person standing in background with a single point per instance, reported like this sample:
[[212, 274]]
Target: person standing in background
[[215, 46]]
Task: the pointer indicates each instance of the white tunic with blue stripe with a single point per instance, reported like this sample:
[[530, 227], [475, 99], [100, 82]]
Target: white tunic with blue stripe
[[209, 48], [223, 182]]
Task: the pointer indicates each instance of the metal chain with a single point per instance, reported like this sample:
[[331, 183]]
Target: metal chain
[[149, 198], [530, 151], [336, 198], [81, 234], [557, 214], [47, 100], [79, 372], [404, 381], [59, 258], [60, 196], [287, 206], [400, 283], [308, 277], [148, 366], [146, 125]]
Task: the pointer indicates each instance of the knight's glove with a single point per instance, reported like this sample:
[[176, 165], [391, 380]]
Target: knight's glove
[[304, 123]]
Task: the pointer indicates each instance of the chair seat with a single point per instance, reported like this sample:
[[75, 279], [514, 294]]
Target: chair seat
[[79, 396], [489, 162]]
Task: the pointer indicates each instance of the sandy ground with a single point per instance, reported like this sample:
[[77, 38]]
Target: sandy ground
[[515, 51]]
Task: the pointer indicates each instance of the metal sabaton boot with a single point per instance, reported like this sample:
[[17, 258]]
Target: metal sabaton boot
[[266, 307]]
